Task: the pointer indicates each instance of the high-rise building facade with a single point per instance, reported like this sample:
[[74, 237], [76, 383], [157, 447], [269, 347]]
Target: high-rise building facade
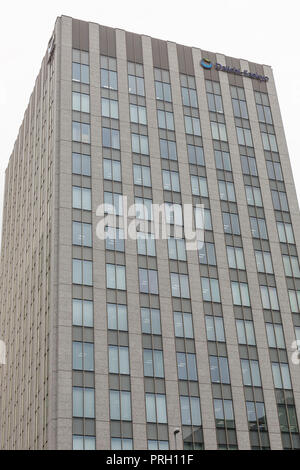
[[116, 343]]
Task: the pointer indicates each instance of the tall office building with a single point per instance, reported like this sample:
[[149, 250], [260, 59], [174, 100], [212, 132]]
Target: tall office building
[[116, 343]]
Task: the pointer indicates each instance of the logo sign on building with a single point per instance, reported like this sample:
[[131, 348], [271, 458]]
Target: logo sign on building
[[2, 353], [208, 65]]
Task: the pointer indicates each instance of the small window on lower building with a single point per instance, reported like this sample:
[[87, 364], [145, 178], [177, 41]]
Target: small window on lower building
[[84, 443], [117, 443]]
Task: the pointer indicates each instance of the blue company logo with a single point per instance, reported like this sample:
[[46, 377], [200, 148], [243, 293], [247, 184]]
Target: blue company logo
[[206, 64]]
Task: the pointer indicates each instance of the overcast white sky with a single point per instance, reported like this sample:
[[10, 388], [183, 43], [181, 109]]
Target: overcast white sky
[[263, 31]]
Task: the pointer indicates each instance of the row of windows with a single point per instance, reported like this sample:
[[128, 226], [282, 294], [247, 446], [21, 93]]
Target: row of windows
[[148, 281]]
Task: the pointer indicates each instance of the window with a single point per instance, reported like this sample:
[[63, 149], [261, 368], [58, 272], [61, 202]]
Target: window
[[263, 108], [136, 84], [219, 369], [275, 336], [148, 281], [210, 289], [180, 285], [80, 73], [168, 149], [143, 208], [140, 144], [239, 102], [157, 445], [84, 443], [117, 317], [108, 73], [111, 170], [165, 120], [226, 191], [142, 175], [121, 444], [195, 154], [150, 318], [173, 213], [162, 85], [146, 244], [222, 160], [183, 324], [280, 202], [83, 356], [192, 125], [199, 186], [214, 98], [81, 164], [224, 413], [82, 198], [269, 142], [83, 402], [111, 138], [138, 114], [215, 328], [218, 131], [115, 277], [258, 228], [190, 411], [244, 136], [274, 171], [109, 108], [118, 357], [120, 405], [294, 296], [186, 366], [80, 102], [176, 249], [245, 332], [82, 313], [207, 253], [188, 91], [269, 298], [291, 266], [256, 416], [285, 232], [235, 257], [82, 272], [156, 410], [249, 165], [231, 223], [281, 376], [251, 374], [253, 196], [264, 262], [81, 132], [153, 363], [82, 234], [287, 418], [171, 181], [203, 218], [113, 203], [240, 293]]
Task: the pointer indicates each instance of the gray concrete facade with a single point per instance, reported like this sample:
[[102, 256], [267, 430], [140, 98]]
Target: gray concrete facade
[[53, 397]]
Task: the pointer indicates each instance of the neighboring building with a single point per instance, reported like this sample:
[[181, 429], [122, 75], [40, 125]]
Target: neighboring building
[[115, 344]]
